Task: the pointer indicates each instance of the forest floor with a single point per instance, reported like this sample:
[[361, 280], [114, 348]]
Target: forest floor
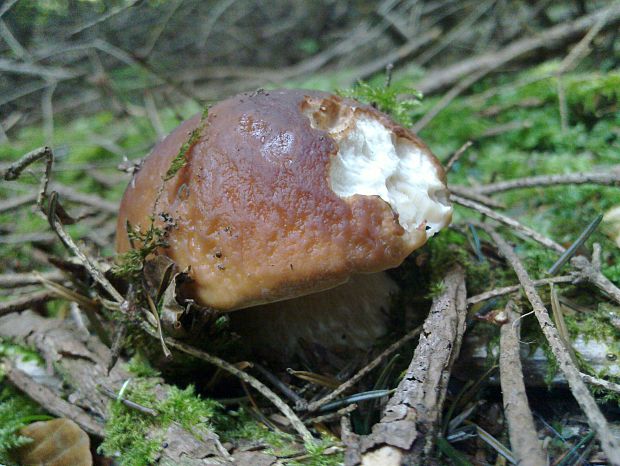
[[534, 162]]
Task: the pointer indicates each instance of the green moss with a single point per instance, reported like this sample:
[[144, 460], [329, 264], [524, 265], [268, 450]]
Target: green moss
[[127, 437], [139, 366], [129, 264], [388, 99], [319, 454], [240, 425], [136, 438]]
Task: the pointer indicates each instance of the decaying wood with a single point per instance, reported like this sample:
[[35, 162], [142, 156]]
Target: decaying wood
[[78, 363], [407, 431], [523, 438], [598, 423]]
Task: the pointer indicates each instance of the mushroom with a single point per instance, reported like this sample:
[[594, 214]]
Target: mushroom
[[290, 207]]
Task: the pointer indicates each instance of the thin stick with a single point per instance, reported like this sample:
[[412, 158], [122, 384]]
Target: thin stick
[[457, 155], [563, 32], [332, 416], [16, 202], [130, 404], [93, 268], [610, 178], [579, 51], [16, 169], [25, 302], [614, 387], [473, 195], [609, 444], [244, 376], [389, 69], [587, 273], [523, 439], [365, 370], [509, 221], [86, 199], [300, 403], [17, 280]]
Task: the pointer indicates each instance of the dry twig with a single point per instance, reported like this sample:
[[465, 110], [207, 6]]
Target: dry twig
[[457, 155], [17, 280], [609, 178], [509, 221], [406, 433], [587, 273], [523, 439], [514, 288], [25, 302], [473, 195], [606, 384]]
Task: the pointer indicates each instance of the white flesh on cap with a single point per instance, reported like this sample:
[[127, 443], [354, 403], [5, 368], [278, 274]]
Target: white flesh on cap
[[372, 161]]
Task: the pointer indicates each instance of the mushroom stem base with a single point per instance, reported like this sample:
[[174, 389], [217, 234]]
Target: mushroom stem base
[[343, 320]]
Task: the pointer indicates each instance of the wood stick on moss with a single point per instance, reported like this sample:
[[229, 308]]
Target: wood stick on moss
[[509, 221], [244, 376], [522, 431], [473, 195], [561, 33], [315, 405], [609, 178], [586, 272], [514, 288], [598, 423], [606, 384]]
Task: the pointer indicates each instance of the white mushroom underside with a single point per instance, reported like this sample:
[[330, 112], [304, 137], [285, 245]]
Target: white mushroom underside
[[372, 161]]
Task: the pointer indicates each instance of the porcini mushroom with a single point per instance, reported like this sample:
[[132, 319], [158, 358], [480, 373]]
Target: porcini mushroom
[[286, 194]]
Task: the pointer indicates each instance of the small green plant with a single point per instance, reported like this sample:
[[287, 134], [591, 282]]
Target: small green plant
[[180, 160]]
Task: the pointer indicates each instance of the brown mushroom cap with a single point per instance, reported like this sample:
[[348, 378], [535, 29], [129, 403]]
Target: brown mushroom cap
[[256, 210]]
